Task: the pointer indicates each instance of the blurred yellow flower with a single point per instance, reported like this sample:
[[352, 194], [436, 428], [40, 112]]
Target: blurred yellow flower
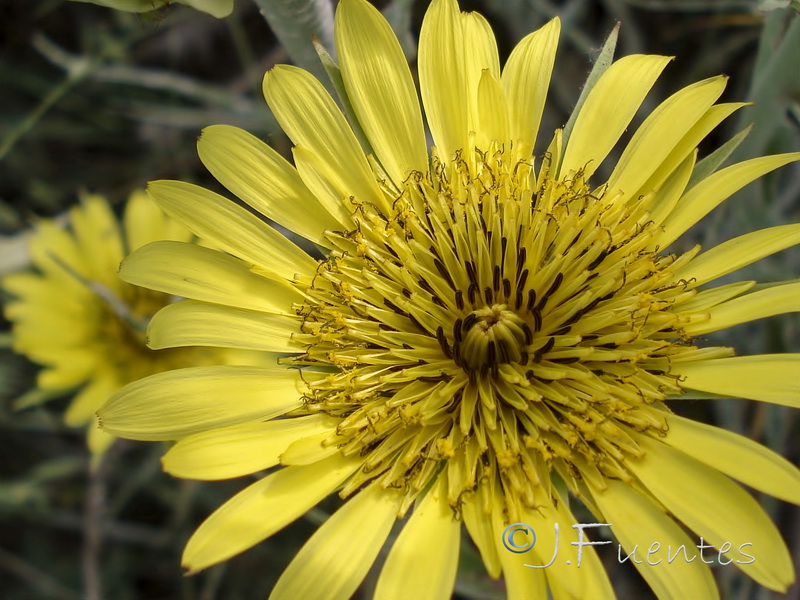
[[79, 320], [216, 8], [487, 329]]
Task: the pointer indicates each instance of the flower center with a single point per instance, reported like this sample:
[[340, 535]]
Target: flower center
[[492, 321], [488, 337]]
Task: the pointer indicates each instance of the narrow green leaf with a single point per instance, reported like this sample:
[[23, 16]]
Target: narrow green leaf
[[604, 60], [295, 22], [713, 161], [335, 76]]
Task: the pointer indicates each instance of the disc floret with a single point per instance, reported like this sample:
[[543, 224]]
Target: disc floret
[[492, 322]]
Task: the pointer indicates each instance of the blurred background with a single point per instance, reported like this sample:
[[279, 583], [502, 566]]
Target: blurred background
[[93, 99]]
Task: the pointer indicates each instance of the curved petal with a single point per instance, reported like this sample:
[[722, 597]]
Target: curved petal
[[261, 177], [526, 78], [174, 404], [310, 118], [65, 373], [145, 222], [98, 236], [688, 143], [726, 514], [777, 300], [608, 110], [312, 172], [479, 526], [380, 87], [522, 582], [442, 77], [98, 441], [640, 526], [231, 228], [765, 377], [428, 548], [736, 456], [83, 407], [309, 449], [669, 194], [492, 113], [713, 296], [709, 193], [199, 273], [263, 508], [567, 578], [661, 131], [480, 55], [239, 449], [194, 323], [333, 562], [739, 252]]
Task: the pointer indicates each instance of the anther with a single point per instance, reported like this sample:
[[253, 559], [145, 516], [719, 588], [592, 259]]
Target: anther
[[531, 299], [528, 334], [551, 290], [523, 278], [472, 292], [460, 299]]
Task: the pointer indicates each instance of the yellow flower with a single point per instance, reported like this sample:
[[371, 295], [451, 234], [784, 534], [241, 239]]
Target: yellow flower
[[79, 320], [487, 329], [216, 8]]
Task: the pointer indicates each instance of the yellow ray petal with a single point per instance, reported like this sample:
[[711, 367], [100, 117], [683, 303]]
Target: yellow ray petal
[[564, 577], [660, 133], [82, 408], [480, 54], [608, 110], [769, 302], [726, 514], [98, 441], [311, 119], [736, 456], [479, 526], [312, 172], [240, 449], [263, 508], [144, 222], [526, 78], [765, 377], [195, 272], [231, 228], [428, 547], [98, 236], [69, 371], [669, 194], [739, 252], [492, 122], [380, 87], [335, 559], [261, 177], [442, 77], [51, 248], [194, 323], [709, 193], [688, 143], [522, 583], [713, 296], [309, 449], [174, 404], [639, 525]]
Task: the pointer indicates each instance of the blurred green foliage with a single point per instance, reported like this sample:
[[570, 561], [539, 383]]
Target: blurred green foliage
[[93, 99]]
